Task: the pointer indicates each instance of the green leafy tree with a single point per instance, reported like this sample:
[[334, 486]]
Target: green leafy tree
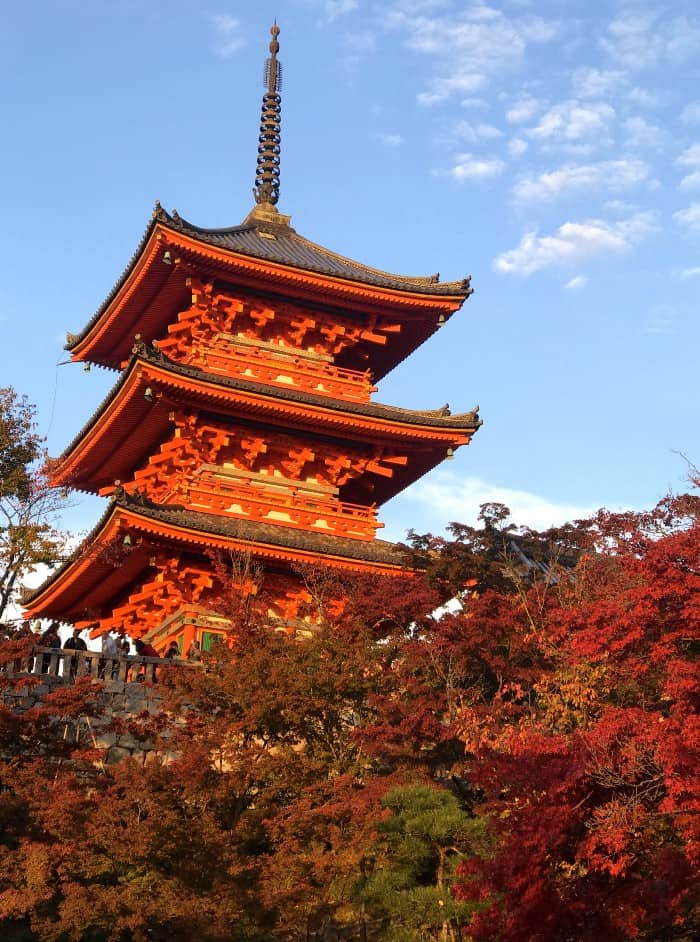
[[420, 844], [29, 535]]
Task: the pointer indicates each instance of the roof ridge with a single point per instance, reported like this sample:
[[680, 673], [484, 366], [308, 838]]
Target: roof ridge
[[336, 256]]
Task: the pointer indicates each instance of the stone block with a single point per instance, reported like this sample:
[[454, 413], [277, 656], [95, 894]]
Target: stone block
[[117, 754]]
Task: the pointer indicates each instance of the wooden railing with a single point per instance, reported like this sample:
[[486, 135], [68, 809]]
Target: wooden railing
[[262, 500], [69, 665]]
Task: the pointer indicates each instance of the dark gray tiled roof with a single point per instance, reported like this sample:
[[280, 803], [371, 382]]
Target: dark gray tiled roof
[[278, 242], [269, 534], [436, 418]]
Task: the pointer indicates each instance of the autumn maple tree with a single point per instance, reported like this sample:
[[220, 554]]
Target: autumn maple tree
[[519, 766]]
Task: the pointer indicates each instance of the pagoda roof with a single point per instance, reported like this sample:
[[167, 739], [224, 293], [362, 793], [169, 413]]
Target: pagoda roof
[[269, 236], [93, 575], [107, 448], [263, 255]]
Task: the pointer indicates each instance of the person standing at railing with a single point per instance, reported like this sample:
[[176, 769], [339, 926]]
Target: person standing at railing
[[109, 652], [123, 646], [74, 643], [173, 650], [49, 639], [145, 649], [194, 652]]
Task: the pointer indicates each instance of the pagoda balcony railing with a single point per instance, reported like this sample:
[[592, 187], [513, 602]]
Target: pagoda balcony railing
[[272, 503], [284, 368], [69, 665]]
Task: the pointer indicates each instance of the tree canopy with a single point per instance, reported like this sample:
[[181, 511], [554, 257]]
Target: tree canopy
[[522, 768], [29, 535]]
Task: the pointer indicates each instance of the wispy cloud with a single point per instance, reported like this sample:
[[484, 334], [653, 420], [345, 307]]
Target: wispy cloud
[[468, 167], [572, 243], [660, 320], [524, 109], [572, 122], [642, 97], [517, 147], [641, 39], [580, 281], [474, 133], [390, 140], [691, 113], [453, 497], [693, 272], [689, 217], [468, 48], [572, 178], [596, 83], [228, 34], [358, 46], [332, 9], [689, 159], [641, 134]]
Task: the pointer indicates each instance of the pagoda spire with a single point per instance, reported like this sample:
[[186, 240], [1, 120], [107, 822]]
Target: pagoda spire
[[267, 172]]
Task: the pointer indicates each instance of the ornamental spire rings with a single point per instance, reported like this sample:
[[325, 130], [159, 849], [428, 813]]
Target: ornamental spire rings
[[267, 173]]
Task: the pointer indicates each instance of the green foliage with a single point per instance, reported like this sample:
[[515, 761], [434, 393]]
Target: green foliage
[[410, 876], [472, 775], [28, 505]]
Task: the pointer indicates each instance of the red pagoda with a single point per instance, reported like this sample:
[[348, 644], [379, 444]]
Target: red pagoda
[[242, 422]]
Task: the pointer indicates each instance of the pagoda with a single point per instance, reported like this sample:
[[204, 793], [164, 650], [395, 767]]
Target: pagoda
[[242, 423]]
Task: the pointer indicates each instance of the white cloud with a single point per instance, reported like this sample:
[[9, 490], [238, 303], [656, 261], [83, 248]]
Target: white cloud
[[571, 122], [228, 31], [619, 206], [390, 140], [359, 45], [469, 167], [690, 159], [660, 321], [524, 109], [690, 272], [691, 113], [689, 217], [473, 133], [469, 48], [335, 8], [605, 174], [645, 38], [642, 98], [453, 497], [572, 243], [580, 281], [596, 83], [517, 147], [640, 133], [443, 88], [691, 181]]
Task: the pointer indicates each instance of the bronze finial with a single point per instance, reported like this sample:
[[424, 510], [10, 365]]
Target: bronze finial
[[267, 172]]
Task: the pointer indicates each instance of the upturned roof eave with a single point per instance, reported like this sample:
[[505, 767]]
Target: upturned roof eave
[[425, 422], [424, 292], [274, 540]]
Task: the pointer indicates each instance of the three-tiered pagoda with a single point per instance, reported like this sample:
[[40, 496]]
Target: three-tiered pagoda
[[242, 422]]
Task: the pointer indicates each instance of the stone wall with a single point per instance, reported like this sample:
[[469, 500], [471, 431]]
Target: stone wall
[[119, 703]]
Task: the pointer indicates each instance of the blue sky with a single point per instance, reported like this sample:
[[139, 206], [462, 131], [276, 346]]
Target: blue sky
[[549, 149]]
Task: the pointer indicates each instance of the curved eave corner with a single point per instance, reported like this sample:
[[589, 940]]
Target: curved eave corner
[[165, 231]]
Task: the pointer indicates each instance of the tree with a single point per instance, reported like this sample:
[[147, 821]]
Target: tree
[[410, 875], [496, 555], [586, 753], [28, 505], [522, 769]]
